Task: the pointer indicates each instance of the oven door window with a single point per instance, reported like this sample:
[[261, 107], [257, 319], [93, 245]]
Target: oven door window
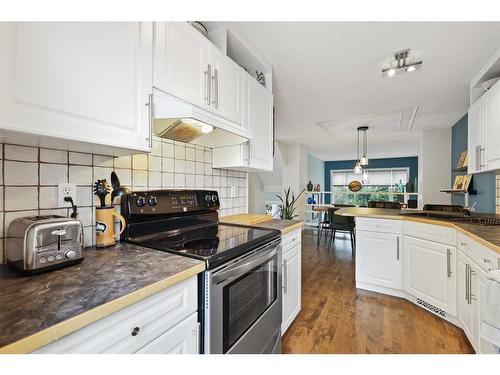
[[246, 299]]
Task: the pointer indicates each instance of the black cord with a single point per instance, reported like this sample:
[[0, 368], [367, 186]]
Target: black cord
[[74, 214]]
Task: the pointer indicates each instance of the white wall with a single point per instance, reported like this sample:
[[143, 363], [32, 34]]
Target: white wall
[[295, 173], [435, 166], [256, 194]]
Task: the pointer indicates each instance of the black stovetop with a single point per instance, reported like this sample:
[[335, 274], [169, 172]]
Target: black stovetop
[[213, 243]]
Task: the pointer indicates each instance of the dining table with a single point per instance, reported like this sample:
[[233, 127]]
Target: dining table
[[321, 211]]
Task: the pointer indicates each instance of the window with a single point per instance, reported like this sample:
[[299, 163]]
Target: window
[[378, 186]]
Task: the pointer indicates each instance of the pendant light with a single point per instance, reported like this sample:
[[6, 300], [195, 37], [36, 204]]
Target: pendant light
[[365, 175], [358, 169], [363, 161]]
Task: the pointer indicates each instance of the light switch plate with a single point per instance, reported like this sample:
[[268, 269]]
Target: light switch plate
[[66, 190]]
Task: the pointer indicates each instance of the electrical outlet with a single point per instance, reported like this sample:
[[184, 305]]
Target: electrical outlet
[[66, 190]]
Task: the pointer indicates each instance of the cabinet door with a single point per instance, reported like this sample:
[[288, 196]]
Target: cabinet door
[[378, 259], [291, 286], [80, 81], [429, 273], [226, 86], [181, 62], [181, 339], [465, 304], [258, 118], [492, 127], [475, 136]]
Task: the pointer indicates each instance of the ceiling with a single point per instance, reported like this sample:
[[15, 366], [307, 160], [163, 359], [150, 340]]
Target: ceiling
[[327, 80]]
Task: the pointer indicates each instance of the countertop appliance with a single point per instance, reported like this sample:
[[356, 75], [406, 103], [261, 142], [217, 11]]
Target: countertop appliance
[[240, 293], [41, 243]]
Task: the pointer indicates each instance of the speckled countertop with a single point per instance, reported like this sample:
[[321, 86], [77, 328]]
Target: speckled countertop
[[35, 310], [488, 235]]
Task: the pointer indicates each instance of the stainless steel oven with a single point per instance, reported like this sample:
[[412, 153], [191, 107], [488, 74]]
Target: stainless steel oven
[[243, 303]]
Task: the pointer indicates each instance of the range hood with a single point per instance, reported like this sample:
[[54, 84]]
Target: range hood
[[180, 121]]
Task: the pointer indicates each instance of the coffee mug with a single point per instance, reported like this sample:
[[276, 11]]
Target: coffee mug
[[105, 226]]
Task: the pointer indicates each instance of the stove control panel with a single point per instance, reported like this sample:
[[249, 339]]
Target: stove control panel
[[164, 202]]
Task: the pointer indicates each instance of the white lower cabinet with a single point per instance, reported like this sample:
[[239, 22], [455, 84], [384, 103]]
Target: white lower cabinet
[[181, 339], [291, 278], [378, 259], [468, 306], [429, 273], [162, 323]]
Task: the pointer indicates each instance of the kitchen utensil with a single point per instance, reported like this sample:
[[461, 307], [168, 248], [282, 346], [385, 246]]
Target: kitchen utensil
[[101, 189], [118, 190], [105, 226], [41, 243]]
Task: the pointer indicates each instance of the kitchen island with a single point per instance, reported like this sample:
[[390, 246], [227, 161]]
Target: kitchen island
[[442, 265], [38, 310]]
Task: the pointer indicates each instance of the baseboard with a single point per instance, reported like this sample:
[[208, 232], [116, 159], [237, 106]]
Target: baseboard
[[380, 289]]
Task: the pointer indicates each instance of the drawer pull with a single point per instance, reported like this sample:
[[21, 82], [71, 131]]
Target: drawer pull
[[135, 331], [486, 261]]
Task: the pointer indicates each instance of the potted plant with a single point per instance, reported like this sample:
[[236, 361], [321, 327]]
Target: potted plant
[[287, 211]]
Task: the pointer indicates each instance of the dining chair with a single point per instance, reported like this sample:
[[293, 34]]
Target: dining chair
[[384, 204], [344, 224]]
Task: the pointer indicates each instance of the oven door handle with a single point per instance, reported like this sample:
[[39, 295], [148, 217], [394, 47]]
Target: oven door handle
[[233, 272]]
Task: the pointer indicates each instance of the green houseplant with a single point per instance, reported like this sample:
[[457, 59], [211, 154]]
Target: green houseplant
[[287, 210]]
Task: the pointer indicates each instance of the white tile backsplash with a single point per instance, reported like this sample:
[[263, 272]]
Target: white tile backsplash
[[29, 178], [19, 173]]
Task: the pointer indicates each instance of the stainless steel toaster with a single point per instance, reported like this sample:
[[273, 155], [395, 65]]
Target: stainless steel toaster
[[41, 243]]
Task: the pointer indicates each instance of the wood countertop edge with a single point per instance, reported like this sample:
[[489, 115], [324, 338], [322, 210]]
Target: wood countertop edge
[[245, 219], [292, 227], [488, 244], [64, 328]]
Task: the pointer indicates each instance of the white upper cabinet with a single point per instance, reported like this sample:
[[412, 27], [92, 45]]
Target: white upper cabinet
[[78, 81], [475, 139], [429, 273], [181, 65], [484, 132], [257, 154], [190, 67], [258, 118], [226, 88], [492, 126]]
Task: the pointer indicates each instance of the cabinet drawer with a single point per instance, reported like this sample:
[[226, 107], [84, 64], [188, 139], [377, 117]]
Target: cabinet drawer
[[484, 257], [430, 232], [114, 334], [290, 240], [378, 225], [181, 339]]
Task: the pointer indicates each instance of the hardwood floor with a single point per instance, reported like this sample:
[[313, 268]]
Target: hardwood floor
[[338, 318]]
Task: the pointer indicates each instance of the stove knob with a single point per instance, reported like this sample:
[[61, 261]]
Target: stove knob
[[214, 198], [70, 254], [141, 201], [207, 197], [152, 201]]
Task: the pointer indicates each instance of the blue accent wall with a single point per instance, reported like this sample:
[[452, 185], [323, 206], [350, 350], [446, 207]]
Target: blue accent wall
[[316, 171], [406, 162], [483, 183]]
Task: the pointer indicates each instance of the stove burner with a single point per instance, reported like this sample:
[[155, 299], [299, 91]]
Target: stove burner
[[202, 246]]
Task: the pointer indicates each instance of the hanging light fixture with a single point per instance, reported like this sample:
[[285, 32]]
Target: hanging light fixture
[[358, 169], [365, 175], [363, 161]]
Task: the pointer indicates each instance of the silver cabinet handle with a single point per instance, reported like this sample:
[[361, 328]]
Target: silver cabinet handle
[[467, 282], [477, 158], [481, 154], [150, 119], [215, 81], [397, 247], [285, 276], [471, 296], [208, 87], [448, 262]]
